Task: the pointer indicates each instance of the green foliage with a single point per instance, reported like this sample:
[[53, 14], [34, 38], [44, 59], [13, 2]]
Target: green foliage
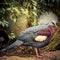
[[12, 35], [4, 23], [17, 9], [22, 7], [14, 13], [2, 12]]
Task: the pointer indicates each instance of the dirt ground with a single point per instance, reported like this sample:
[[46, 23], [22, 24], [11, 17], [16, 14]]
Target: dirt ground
[[51, 55]]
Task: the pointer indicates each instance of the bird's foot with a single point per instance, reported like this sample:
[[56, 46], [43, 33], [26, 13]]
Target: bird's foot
[[40, 56]]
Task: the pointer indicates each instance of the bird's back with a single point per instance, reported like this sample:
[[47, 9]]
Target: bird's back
[[29, 34], [42, 44]]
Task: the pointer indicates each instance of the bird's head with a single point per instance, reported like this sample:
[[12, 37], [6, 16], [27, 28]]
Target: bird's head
[[48, 18]]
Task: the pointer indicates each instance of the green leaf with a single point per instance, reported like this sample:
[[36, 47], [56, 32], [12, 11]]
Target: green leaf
[[34, 13]]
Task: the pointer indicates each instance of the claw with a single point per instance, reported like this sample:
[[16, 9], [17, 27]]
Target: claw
[[38, 55]]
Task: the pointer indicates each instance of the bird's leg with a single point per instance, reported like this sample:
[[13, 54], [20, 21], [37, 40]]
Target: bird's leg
[[37, 53]]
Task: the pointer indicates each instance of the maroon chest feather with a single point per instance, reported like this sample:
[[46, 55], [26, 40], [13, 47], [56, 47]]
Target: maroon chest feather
[[47, 31]]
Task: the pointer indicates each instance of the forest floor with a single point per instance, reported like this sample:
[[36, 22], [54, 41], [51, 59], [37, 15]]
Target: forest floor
[[26, 54]]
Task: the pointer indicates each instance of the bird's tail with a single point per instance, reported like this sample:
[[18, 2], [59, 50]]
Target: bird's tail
[[16, 43]]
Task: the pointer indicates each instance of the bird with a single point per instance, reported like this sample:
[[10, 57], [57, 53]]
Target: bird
[[37, 36]]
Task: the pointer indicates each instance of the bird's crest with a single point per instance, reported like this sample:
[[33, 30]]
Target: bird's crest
[[47, 17]]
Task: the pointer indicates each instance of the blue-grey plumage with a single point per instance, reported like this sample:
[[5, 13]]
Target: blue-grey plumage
[[27, 37], [16, 43], [30, 33]]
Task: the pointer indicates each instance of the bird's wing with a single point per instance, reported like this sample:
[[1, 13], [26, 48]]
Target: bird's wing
[[33, 29], [40, 38], [29, 35], [42, 35]]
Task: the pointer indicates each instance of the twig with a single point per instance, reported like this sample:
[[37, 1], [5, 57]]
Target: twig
[[55, 33]]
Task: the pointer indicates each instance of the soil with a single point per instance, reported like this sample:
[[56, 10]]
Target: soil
[[23, 53]]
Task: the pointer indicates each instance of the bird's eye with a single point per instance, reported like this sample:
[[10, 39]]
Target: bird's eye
[[53, 23]]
